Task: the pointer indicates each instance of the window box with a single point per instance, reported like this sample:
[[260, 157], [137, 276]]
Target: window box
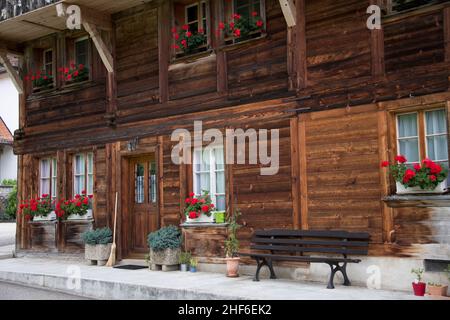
[[87, 216], [51, 217], [440, 189], [202, 219]]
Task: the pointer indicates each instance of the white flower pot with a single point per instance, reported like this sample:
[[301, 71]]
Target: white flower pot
[[87, 216], [202, 219], [51, 216], [401, 189]]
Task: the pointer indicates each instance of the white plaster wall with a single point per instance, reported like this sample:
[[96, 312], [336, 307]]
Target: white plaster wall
[[8, 163], [9, 111], [9, 103]]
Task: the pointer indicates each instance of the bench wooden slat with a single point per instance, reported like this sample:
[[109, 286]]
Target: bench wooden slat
[[313, 233], [301, 258], [337, 243], [309, 249]]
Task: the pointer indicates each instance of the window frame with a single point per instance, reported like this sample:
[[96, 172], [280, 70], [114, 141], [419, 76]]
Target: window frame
[[212, 174], [70, 56], [422, 131], [230, 40], [178, 54], [52, 177], [389, 7], [86, 173]]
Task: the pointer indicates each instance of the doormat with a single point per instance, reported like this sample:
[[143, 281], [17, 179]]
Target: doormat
[[130, 267]]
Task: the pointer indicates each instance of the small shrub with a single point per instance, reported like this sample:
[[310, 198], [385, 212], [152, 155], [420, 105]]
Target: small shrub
[[185, 257], [11, 204], [232, 243], [98, 236], [165, 238], [419, 273]]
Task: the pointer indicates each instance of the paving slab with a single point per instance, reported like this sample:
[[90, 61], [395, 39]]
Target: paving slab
[[108, 283]]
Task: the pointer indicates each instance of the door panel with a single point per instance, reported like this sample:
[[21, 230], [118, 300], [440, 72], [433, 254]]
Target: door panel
[[143, 202]]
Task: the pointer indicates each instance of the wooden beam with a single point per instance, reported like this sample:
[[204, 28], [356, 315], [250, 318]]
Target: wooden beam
[[446, 14], [303, 173], [221, 55], [377, 48], [163, 50], [295, 173], [13, 74], [300, 46], [383, 151], [289, 12], [102, 48]]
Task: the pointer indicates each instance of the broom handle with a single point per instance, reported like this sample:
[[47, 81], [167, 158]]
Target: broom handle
[[115, 218]]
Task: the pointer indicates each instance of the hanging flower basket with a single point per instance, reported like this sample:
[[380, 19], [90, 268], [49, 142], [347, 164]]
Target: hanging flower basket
[[428, 177]]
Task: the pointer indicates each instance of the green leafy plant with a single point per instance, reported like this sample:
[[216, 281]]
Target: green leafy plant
[[427, 176], [198, 205], [193, 262], [40, 206], [98, 236], [232, 243], [419, 273], [243, 27], [434, 284], [165, 238], [11, 203], [79, 205], [9, 182], [448, 272], [188, 40], [185, 257]]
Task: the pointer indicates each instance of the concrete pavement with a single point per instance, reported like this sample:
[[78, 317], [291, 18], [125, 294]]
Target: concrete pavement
[[107, 283], [9, 291], [7, 240]]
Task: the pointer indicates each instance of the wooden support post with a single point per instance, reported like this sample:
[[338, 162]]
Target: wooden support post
[[383, 151], [295, 172], [13, 74], [299, 64], [160, 172], [446, 14], [289, 12], [217, 43], [163, 50], [377, 48], [303, 173], [102, 48]]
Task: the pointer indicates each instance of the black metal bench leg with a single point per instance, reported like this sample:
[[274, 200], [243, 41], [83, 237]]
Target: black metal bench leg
[[334, 269], [343, 269], [259, 265], [272, 272]]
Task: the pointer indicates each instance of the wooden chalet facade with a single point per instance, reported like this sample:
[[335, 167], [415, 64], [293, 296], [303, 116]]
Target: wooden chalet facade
[[332, 87]]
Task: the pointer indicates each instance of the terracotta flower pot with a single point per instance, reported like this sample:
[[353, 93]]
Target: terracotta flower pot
[[233, 267], [419, 288], [440, 291]]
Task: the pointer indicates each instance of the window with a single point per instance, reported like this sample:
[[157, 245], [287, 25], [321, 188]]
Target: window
[[48, 62], [397, 6], [194, 15], [423, 134], [251, 23], [145, 182], [48, 173], [209, 175], [83, 173], [82, 51]]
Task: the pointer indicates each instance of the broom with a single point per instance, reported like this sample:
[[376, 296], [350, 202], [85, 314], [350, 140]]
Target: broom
[[112, 258]]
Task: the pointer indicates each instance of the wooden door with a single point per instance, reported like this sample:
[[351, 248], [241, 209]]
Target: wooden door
[[143, 202]]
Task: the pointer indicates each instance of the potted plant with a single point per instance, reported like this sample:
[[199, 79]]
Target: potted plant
[[185, 259], [419, 287], [437, 289], [193, 264], [242, 28], [199, 209], [78, 208], [165, 247], [98, 245], [232, 246], [75, 73], [428, 177], [189, 41], [38, 209]]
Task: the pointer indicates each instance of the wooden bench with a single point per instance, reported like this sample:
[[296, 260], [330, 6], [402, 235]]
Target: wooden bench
[[330, 247]]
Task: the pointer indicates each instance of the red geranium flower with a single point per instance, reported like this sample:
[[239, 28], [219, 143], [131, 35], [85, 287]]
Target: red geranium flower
[[185, 27], [433, 178], [193, 215], [221, 25], [384, 164], [401, 159], [417, 167], [194, 201], [237, 33], [254, 14], [188, 34], [191, 194], [205, 208], [174, 29], [259, 23]]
